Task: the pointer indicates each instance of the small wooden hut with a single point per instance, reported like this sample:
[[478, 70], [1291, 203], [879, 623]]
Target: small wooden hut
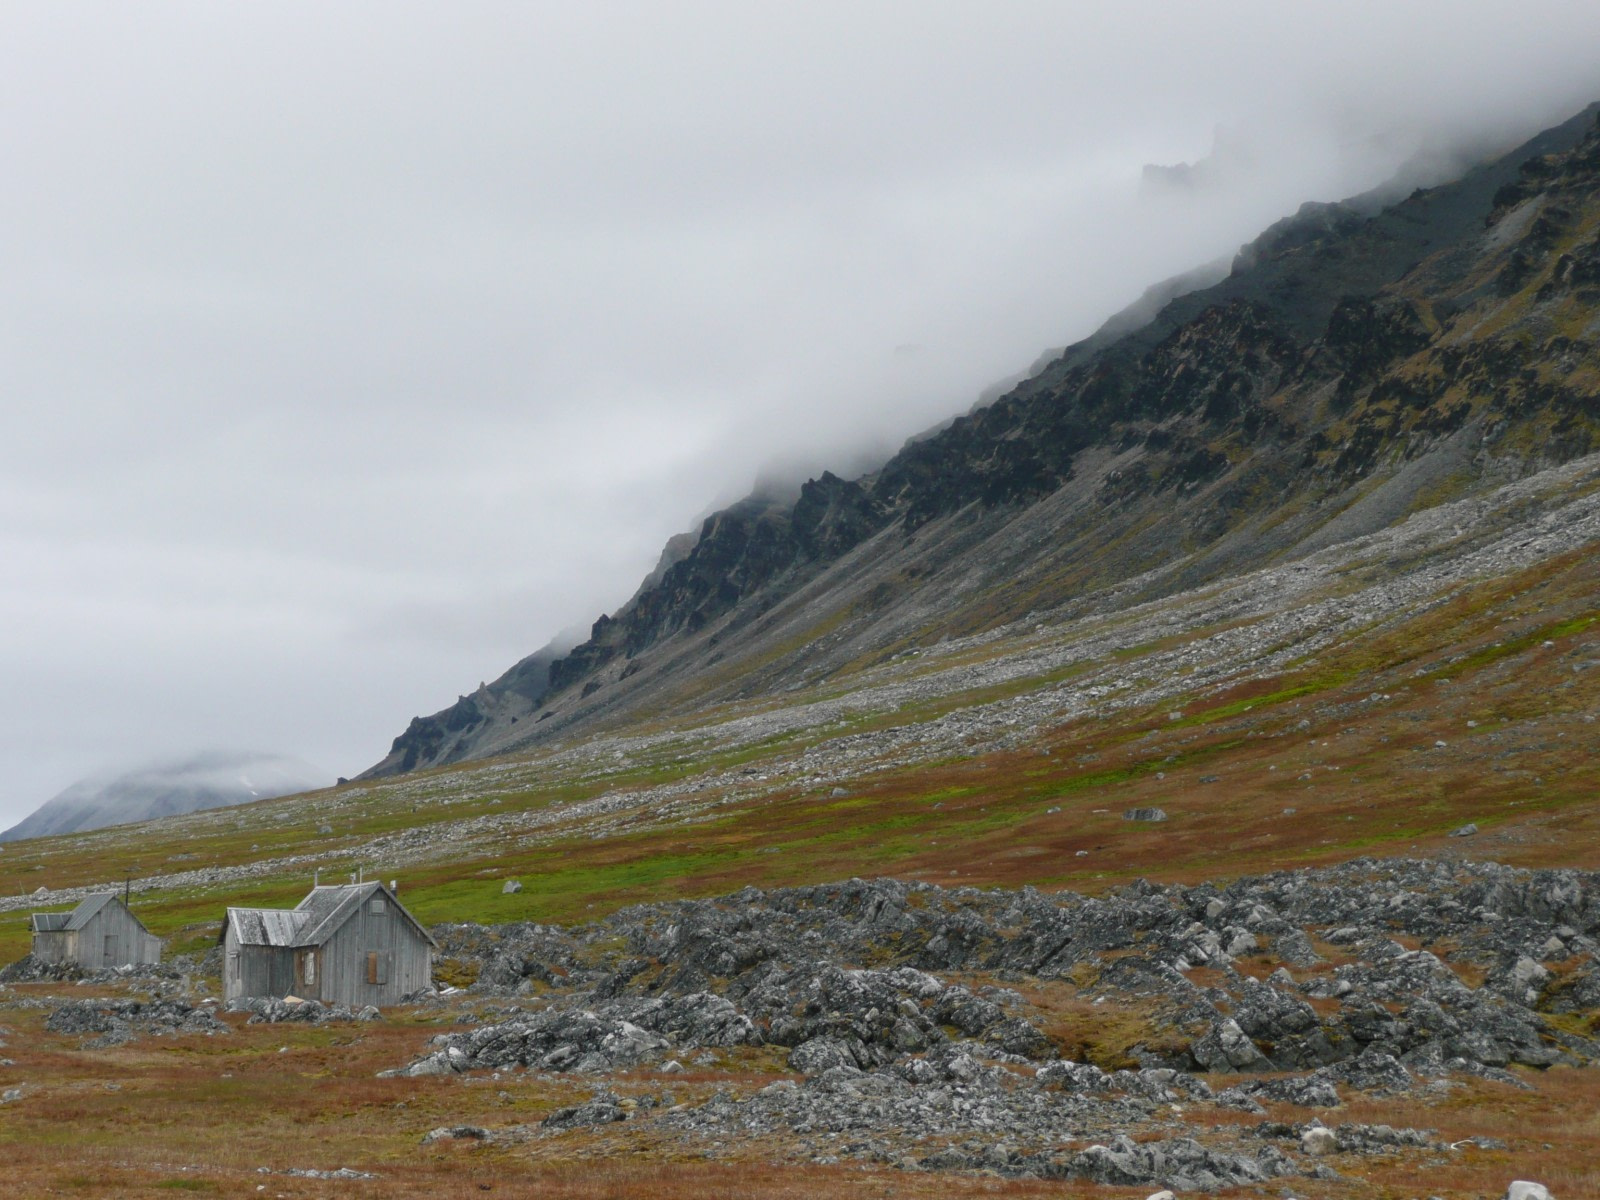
[[100, 932], [353, 945]]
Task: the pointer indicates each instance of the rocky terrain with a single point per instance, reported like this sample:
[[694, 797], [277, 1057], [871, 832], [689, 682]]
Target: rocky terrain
[[1056, 1035]]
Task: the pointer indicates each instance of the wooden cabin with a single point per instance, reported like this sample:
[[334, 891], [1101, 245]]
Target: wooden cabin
[[100, 932], [353, 945]]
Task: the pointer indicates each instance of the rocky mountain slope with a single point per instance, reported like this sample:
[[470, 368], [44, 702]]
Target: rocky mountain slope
[[212, 780], [1358, 364]]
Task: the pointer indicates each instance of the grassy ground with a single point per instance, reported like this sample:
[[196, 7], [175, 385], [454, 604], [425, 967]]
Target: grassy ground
[[229, 1115]]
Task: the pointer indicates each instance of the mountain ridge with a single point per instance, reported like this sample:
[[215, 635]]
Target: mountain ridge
[[1347, 370]]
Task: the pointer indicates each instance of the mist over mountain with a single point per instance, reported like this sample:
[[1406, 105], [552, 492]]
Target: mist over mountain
[[1354, 364], [457, 330], [214, 779]]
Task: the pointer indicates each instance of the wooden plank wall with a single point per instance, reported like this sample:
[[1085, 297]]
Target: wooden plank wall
[[342, 963], [55, 946], [255, 970], [112, 938]]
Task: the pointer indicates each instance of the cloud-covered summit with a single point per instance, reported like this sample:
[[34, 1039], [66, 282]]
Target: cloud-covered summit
[[214, 779]]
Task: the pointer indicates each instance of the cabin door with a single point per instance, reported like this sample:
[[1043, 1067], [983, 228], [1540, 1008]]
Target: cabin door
[[305, 974], [113, 951]]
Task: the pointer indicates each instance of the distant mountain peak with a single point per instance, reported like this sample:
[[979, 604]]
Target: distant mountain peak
[[208, 779]]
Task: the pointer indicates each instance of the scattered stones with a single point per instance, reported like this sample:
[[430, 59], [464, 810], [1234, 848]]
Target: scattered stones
[[452, 1133], [601, 1109], [1144, 814], [1466, 830], [929, 1074], [271, 1011], [118, 1021], [29, 969], [613, 1036]]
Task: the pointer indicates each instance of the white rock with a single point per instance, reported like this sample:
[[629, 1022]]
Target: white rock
[[1522, 1189], [1530, 977], [1319, 1140], [1161, 1196]]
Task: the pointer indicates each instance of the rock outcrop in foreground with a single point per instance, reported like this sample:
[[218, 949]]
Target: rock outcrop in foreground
[[1056, 1035]]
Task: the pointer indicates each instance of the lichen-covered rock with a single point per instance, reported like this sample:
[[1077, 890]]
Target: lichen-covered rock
[[117, 1021], [913, 1068]]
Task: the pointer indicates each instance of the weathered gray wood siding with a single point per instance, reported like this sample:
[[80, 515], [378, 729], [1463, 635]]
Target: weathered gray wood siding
[[114, 937], [255, 970], [54, 946], [404, 963]]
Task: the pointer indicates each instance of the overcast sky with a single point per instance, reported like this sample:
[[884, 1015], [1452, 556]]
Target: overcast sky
[[348, 352]]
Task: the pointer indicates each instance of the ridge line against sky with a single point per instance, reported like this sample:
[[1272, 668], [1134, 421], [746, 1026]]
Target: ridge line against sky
[[352, 351]]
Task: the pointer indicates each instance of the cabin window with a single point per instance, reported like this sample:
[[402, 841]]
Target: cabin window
[[310, 967], [233, 965], [377, 906], [377, 967]]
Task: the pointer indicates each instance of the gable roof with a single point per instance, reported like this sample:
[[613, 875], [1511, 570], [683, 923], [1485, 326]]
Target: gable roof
[[88, 908], [265, 926], [315, 919]]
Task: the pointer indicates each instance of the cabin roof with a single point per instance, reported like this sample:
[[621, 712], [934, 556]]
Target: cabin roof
[[315, 919], [72, 921], [266, 926]]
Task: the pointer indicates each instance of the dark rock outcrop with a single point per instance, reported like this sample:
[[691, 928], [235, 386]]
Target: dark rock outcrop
[[1347, 345]]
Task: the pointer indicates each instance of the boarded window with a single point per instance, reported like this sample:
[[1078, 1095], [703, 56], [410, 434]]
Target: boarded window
[[308, 967], [377, 906], [377, 967]]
